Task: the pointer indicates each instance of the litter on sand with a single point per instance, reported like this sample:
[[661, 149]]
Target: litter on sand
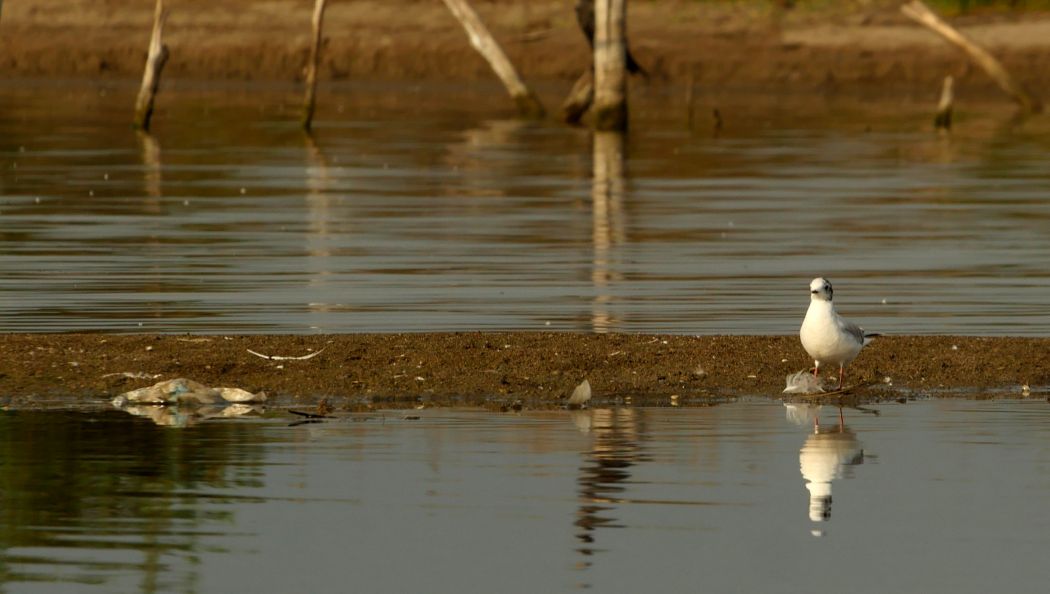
[[802, 382], [186, 391]]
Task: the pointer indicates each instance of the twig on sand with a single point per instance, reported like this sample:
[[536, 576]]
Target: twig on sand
[[134, 375], [283, 358]]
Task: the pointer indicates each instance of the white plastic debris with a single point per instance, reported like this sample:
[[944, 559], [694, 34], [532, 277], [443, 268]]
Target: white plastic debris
[[802, 382], [185, 391], [581, 394], [175, 416]]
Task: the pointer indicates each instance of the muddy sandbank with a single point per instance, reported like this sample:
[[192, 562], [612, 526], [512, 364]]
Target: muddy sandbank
[[478, 368]]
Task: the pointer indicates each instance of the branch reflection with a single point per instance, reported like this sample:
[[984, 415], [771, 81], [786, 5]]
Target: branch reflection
[[607, 230], [615, 448], [151, 168], [318, 236]]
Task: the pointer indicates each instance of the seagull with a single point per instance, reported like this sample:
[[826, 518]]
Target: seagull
[[826, 336]]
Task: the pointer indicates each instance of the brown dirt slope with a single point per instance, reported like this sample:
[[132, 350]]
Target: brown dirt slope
[[718, 45]]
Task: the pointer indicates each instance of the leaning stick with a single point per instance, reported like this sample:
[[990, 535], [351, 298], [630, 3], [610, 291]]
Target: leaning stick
[[610, 65], [920, 13], [943, 119], [580, 98], [155, 60], [311, 66], [527, 102]]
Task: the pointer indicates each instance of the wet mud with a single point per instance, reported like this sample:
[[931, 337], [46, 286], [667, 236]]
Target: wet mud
[[502, 368]]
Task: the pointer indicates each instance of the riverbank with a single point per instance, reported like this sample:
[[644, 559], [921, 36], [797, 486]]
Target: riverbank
[[480, 368], [718, 47]]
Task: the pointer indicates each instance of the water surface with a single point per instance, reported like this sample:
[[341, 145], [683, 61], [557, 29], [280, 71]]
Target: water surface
[[930, 496], [426, 209]]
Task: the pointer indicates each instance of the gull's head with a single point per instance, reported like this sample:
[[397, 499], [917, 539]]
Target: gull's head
[[820, 289]]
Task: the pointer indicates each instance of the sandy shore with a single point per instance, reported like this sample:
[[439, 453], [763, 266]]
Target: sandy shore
[[500, 368], [720, 46]]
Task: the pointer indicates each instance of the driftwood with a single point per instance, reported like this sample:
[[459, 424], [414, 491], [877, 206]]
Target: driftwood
[[610, 68], [580, 98], [311, 66], [155, 60], [943, 119], [527, 101], [920, 13]]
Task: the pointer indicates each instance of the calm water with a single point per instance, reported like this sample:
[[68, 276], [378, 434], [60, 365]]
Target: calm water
[[427, 209], [933, 496]]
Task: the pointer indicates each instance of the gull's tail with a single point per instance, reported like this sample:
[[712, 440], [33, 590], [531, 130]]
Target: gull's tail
[[868, 336]]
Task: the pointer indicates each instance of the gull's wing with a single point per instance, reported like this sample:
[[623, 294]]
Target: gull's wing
[[855, 331]]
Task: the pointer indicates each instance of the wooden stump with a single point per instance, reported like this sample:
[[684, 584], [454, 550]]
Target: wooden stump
[[311, 66], [155, 60], [526, 101], [610, 68], [920, 13]]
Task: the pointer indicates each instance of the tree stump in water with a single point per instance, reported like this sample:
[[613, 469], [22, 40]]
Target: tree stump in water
[[610, 65], [943, 119], [311, 67], [155, 60], [920, 13]]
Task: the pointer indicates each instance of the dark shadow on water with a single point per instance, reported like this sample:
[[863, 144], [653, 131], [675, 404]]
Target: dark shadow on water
[[102, 494]]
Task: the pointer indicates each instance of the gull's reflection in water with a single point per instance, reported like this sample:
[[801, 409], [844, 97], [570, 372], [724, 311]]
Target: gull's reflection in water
[[829, 453], [615, 448]]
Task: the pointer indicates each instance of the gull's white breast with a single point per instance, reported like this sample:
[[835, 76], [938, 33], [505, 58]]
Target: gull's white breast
[[825, 337]]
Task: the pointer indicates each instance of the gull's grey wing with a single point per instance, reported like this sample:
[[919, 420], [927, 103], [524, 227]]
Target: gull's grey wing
[[853, 330]]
